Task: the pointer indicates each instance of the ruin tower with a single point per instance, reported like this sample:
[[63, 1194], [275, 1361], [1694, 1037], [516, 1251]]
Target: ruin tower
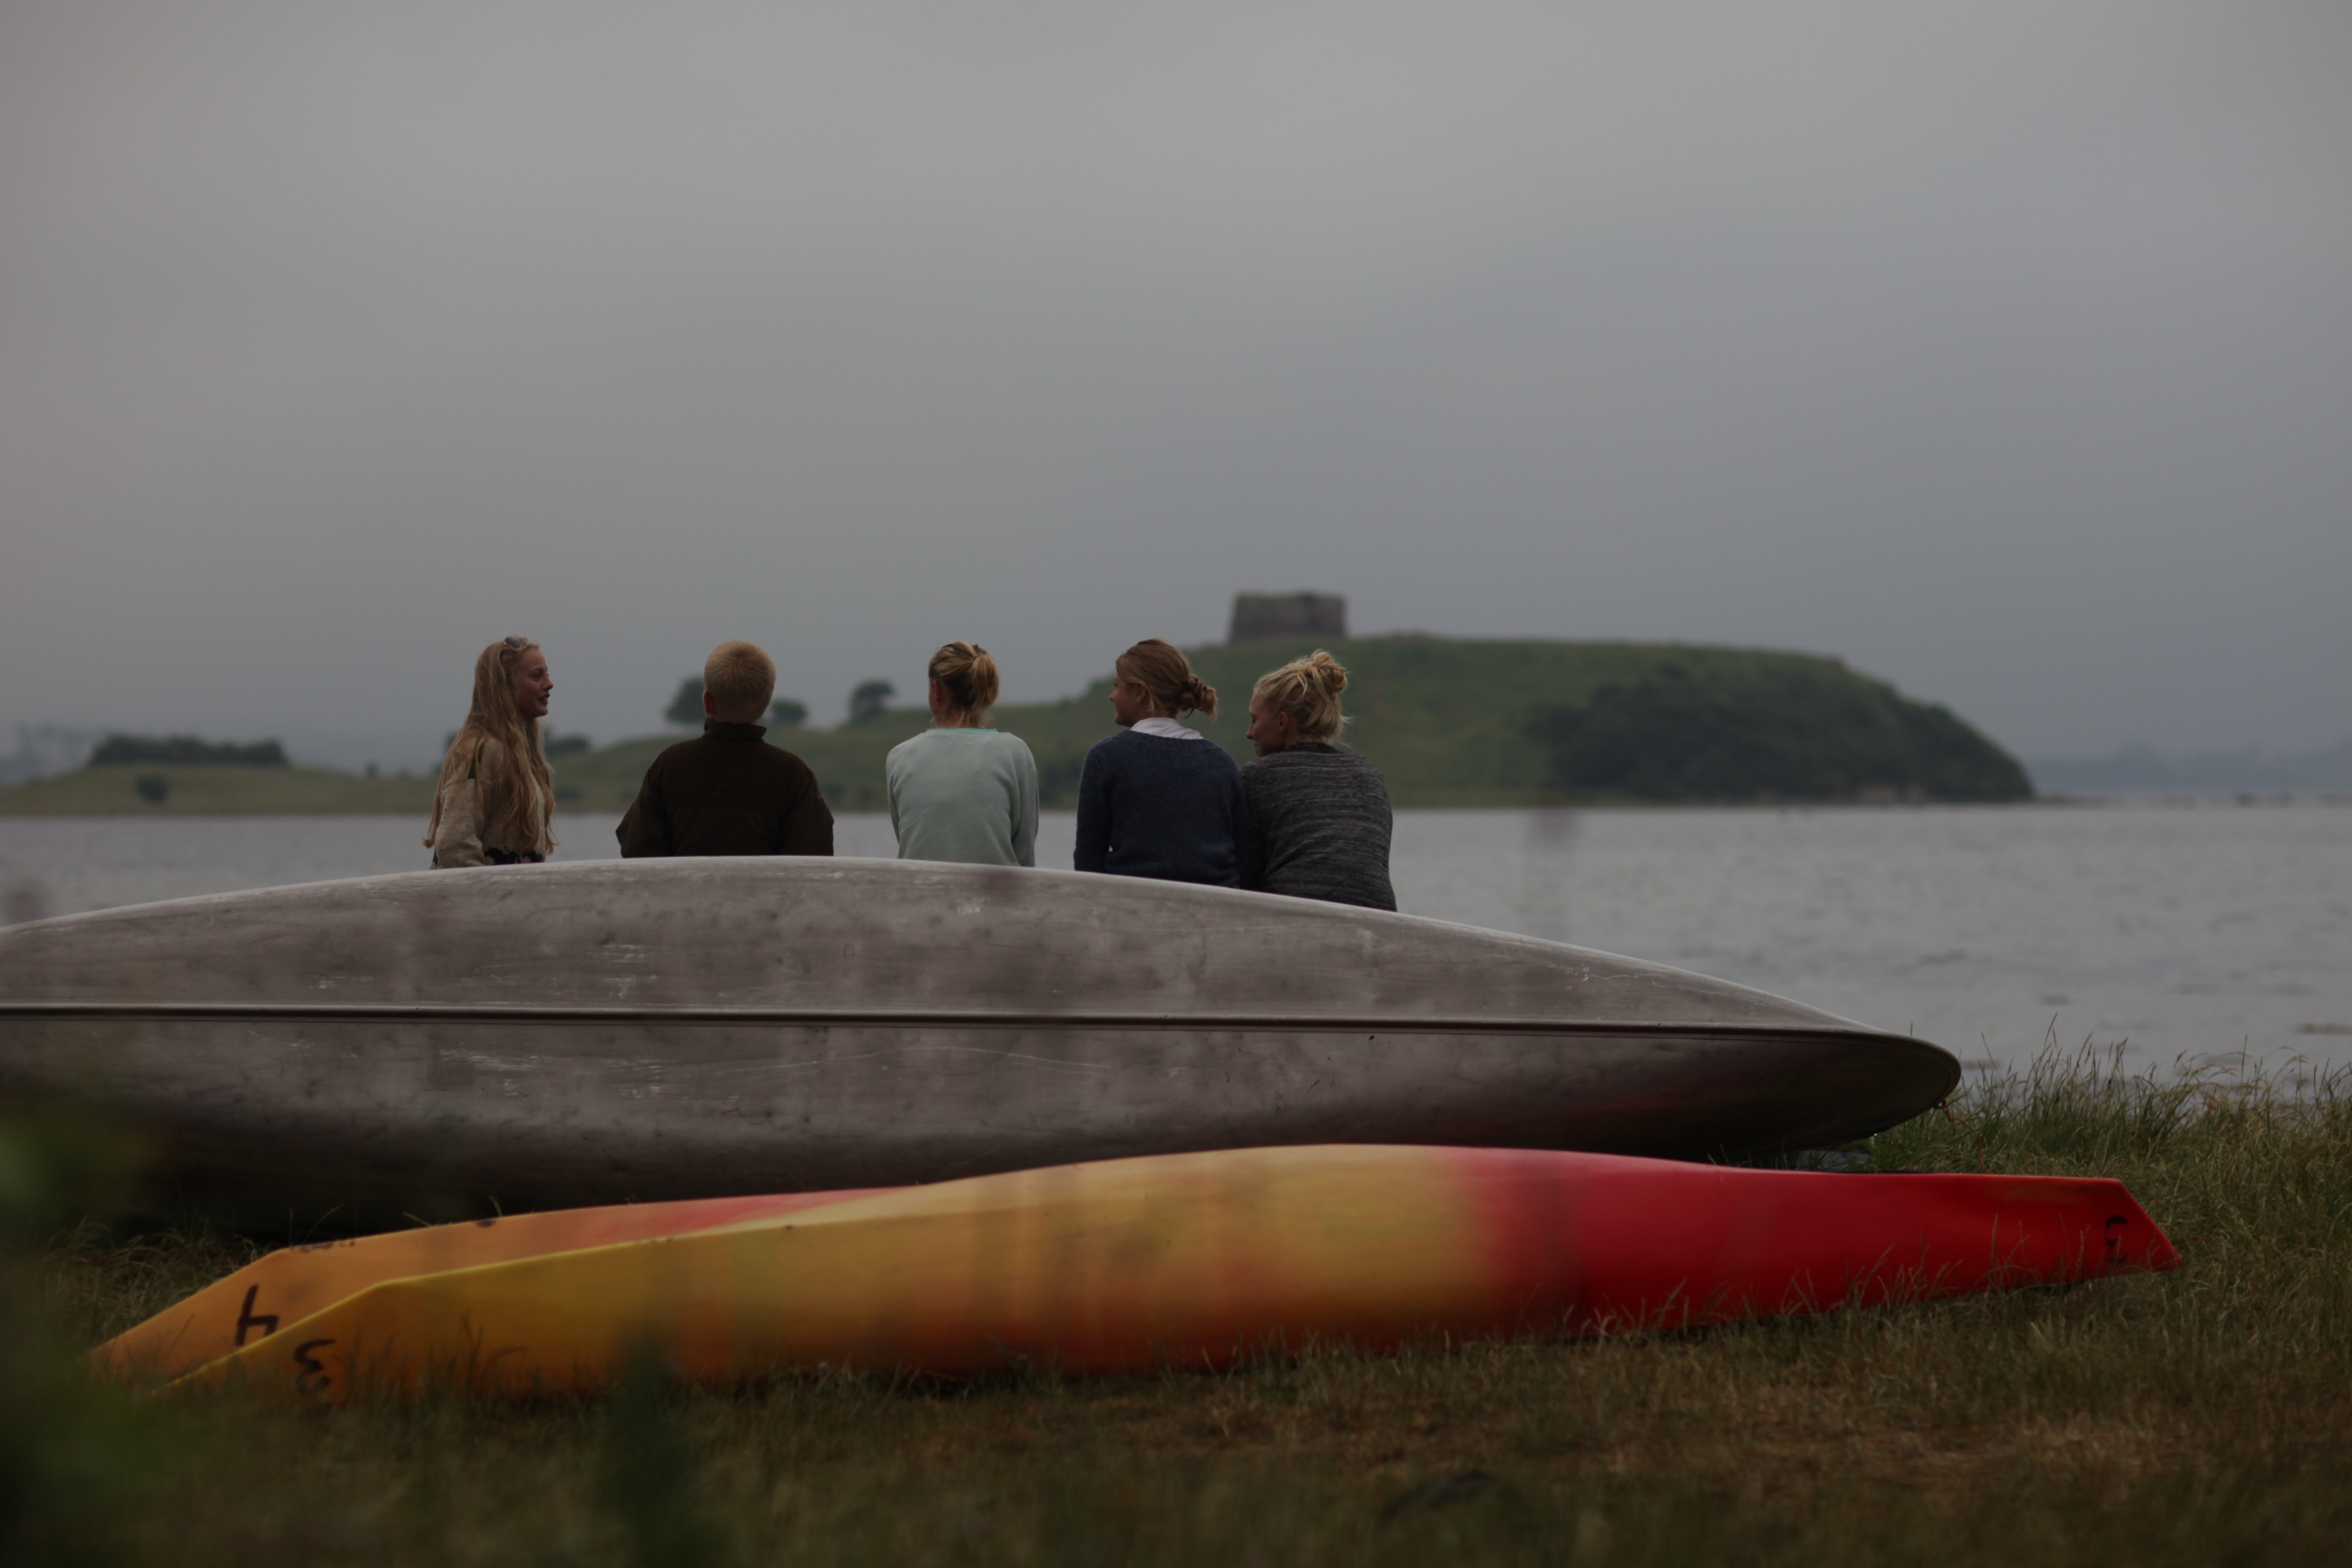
[[1264, 617]]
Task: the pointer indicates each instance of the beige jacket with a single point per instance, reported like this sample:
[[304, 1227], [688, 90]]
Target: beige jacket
[[457, 840]]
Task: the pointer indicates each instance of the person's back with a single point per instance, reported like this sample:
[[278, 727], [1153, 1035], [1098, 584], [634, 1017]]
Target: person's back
[[1161, 805], [729, 792], [1319, 826], [1320, 821], [1160, 801], [964, 794], [961, 790]]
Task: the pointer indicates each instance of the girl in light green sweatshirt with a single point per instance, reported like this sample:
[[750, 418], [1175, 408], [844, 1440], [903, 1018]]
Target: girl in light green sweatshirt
[[961, 790]]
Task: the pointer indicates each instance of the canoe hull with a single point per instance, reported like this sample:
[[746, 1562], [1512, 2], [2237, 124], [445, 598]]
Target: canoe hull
[[452, 1118], [444, 1044]]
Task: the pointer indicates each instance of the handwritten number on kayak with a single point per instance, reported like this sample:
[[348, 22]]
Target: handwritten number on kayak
[[314, 1371], [249, 1320]]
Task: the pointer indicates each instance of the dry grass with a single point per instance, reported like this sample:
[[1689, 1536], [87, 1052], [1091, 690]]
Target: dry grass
[[2200, 1416]]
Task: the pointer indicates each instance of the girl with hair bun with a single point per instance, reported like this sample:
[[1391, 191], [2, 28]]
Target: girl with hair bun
[[961, 791], [1318, 817], [496, 804], [1161, 800]]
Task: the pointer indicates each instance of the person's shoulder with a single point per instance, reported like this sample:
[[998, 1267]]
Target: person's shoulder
[[1354, 770], [676, 751], [1328, 761], [990, 748], [775, 756], [785, 771], [1205, 758], [1319, 754], [1339, 762], [465, 754], [1007, 743], [1110, 757], [1277, 761], [488, 757], [1222, 761]]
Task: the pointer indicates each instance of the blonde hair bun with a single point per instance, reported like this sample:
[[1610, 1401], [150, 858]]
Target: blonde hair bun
[[1308, 690], [968, 675]]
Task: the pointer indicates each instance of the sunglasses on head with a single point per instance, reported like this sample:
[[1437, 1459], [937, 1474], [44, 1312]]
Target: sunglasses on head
[[518, 644]]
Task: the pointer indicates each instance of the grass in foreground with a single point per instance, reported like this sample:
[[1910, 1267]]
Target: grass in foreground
[[2195, 1417]]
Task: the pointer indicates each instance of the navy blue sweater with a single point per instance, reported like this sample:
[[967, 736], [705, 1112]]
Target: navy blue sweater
[[1152, 807]]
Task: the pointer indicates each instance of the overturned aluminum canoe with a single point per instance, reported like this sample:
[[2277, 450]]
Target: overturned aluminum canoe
[[441, 1042]]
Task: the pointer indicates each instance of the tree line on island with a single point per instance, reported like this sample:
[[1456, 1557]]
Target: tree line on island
[[867, 699], [186, 750]]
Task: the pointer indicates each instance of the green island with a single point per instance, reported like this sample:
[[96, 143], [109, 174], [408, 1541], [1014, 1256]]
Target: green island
[[2187, 1418], [211, 790], [1452, 721]]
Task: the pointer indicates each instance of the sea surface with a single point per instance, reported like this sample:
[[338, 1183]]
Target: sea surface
[[2175, 930]]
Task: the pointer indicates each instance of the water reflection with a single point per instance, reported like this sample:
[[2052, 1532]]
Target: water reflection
[[1544, 874]]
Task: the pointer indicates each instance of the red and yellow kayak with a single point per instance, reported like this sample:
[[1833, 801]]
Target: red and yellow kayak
[[1200, 1259]]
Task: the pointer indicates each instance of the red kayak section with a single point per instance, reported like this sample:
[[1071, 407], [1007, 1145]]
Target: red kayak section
[[1617, 1243]]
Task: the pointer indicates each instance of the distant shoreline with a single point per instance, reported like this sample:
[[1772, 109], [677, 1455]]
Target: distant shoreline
[[206, 789]]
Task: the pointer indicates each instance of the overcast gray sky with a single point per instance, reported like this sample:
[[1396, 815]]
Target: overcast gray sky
[[2003, 347]]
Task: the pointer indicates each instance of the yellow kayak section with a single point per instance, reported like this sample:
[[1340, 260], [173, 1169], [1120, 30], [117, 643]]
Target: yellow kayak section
[[1199, 1260], [294, 1282]]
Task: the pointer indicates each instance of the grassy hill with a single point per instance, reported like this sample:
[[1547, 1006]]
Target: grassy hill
[[1452, 723], [1455, 723]]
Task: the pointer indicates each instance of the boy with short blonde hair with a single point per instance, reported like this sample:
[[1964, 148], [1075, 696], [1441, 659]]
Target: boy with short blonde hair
[[729, 792]]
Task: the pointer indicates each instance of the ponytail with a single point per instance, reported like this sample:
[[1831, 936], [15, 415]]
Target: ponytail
[[1162, 669], [968, 675]]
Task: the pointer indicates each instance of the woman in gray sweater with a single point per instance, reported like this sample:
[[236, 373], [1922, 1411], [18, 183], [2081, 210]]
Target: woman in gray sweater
[[1318, 817]]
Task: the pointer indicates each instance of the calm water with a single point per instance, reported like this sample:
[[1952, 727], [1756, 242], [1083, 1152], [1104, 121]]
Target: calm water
[[2195, 931]]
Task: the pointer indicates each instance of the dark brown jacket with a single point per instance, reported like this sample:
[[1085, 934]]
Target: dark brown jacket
[[729, 792]]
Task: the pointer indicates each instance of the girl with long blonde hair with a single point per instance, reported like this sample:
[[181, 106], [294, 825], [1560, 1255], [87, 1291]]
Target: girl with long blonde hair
[[495, 804]]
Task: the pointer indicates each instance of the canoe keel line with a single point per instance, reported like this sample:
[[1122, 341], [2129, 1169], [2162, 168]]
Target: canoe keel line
[[1197, 1260]]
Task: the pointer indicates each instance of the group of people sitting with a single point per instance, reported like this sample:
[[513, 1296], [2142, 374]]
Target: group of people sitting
[[1305, 817]]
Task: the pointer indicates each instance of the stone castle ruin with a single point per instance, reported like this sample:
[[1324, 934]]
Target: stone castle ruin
[[1269, 617]]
